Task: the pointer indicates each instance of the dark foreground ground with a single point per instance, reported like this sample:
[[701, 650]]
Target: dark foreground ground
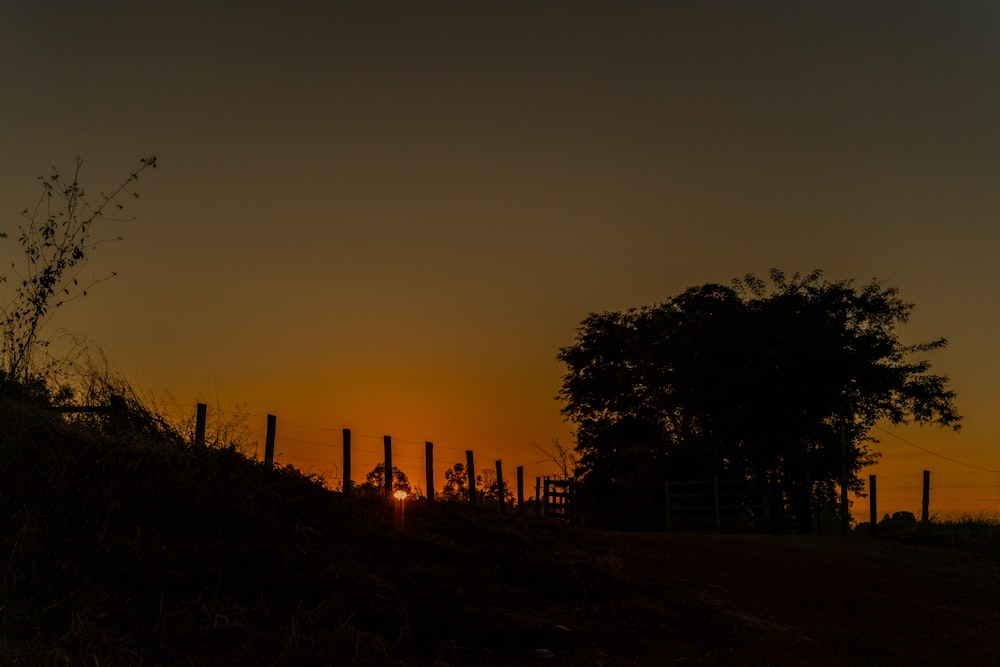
[[122, 551], [726, 600], [506, 591]]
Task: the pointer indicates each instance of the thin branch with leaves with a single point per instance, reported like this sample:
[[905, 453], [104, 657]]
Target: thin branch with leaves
[[56, 241]]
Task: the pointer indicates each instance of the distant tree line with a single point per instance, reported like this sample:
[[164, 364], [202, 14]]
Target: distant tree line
[[777, 383], [455, 489]]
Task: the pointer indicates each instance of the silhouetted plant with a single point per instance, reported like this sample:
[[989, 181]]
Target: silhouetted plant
[[56, 241], [562, 456], [126, 414], [223, 428], [491, 490], [899, 521]]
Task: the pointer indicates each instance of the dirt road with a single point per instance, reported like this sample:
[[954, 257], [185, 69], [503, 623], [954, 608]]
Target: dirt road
[[707, 599], [724, 600]]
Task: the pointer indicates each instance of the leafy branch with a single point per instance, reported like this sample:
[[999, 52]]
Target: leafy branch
[[56, 240]]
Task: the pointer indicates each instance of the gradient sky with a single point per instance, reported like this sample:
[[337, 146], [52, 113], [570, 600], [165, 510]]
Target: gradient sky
[[389, 216]]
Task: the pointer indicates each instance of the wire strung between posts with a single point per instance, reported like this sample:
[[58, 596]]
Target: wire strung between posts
[[933, 453]]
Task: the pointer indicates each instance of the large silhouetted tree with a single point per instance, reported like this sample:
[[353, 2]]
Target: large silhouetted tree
[[778, 383]]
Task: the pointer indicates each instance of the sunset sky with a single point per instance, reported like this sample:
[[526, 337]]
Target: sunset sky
[[389, 216]]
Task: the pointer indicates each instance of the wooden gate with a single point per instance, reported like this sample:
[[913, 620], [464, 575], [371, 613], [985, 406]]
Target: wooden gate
[[713, 504], [557, 498]]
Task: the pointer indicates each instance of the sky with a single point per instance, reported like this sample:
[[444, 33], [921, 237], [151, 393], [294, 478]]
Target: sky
[[389, 216]]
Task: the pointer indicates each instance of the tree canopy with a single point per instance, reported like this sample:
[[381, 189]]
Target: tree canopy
[[778, 382]]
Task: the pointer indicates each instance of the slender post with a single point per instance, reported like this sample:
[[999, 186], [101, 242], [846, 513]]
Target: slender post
[[199, 425], [429, 455], [538, 494], [520, 487], [347, 462], [387, 480], [845, 514], [666, 492], [471, 469], [500, 493], [269, 442], [718, 514], [872, 505], [926, 502]]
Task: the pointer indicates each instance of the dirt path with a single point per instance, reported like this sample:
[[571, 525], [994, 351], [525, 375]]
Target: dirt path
[[722, 600]]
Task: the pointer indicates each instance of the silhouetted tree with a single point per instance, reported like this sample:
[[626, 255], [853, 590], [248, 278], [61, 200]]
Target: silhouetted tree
[[375, 479], [781, 384], [456, 483]]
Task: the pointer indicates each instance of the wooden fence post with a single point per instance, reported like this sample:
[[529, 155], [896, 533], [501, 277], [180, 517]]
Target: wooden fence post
[[666, 492], [387, 478], [538, 494], [347, 463], [471, 469], [520, 487], [718, 514], [269, 441], [500, 490], [545, 496], [926, 501], [429, 454], [845, 512], [872, 505], [199, 425]]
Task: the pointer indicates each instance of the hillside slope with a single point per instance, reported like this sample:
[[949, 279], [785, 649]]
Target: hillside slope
[[126, 550]]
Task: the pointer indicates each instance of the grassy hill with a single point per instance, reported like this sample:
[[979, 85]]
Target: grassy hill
[[121, 544], [137, 548]]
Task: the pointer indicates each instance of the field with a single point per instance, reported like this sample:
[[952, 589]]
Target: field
[[126, 550]]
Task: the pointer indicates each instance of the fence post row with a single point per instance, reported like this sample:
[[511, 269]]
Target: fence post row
[[550, 501], [201, 421]]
